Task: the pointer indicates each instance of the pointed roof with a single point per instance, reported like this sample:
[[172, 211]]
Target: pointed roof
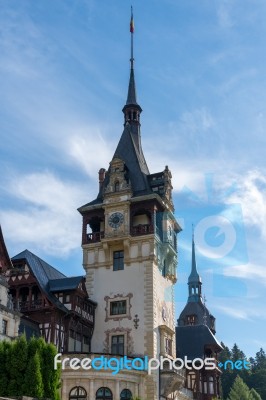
[[195, 306], [5, 262], [129, 150], [132, 96], [194, 275]]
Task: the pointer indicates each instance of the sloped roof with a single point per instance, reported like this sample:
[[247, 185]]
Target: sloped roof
[[43, 272], [5, 259], [130, 151], [191, 341], [56, 285]]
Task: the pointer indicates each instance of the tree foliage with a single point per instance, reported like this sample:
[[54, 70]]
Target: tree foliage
[[27, 369], [254, 377], [239, 390]]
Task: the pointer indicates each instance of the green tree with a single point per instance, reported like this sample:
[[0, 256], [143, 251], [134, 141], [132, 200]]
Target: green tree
[[3, 370], [260, 360], [19, 361], [257, 380], [239, 390], [51, 377], [33, 385], [253, 395], [236, 353]]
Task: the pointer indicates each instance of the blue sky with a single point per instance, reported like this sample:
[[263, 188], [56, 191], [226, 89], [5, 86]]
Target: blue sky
[[200, 73]]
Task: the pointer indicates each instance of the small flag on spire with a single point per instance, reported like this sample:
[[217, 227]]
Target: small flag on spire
[[132, 22]]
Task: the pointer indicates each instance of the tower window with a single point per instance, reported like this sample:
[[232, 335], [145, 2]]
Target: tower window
[[4, 327], [118, 307], [168, 346], [117, 345], [191, 320], [118, 260]]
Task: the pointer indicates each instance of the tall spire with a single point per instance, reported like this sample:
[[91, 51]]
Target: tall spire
[[132, 109], [194, 280]]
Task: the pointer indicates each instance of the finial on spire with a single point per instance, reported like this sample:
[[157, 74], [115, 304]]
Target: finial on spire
[[132, 109], [132, 28]]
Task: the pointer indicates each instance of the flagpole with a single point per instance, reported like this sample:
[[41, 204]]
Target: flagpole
[[132, 32]]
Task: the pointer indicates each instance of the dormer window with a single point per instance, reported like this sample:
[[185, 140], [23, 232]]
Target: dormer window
[[191, 320]]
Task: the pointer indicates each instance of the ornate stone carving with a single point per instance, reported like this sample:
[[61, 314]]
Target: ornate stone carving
[[118, 180]]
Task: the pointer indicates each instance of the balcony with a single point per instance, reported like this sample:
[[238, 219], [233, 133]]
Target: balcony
[[94, 237], [29, 306], [171, 380], [139, 230]]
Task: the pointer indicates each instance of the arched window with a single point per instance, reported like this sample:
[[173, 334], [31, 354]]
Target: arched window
[[104, 394], [126, 395], [78, 393]]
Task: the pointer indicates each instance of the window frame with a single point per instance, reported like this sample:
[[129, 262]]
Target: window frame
[[118, 265], [78, 396], [117, 298], [128, 394], [105, 396], [4, 326], [124, 307], [118, 344]]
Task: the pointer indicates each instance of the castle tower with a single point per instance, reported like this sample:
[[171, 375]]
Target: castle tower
[[129, 242], [195, 338]]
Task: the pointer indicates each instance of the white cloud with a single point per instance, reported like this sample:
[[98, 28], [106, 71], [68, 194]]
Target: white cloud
[[224, 14], [90, 150], [241, 311], [233, 312], [48, 219], [249, 271], [251, 194]]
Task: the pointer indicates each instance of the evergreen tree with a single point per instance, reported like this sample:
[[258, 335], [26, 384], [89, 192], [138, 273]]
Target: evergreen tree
[[236, 353], [253, 395], [12, 372], [19, 361], [260, 360], [50, 375], [228, 375], [3, 370], [239, 390], [257, 380], [33, 385]]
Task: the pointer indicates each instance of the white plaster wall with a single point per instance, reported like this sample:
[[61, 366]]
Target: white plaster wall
[[110, 283]]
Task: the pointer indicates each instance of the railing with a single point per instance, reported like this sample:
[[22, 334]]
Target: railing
[[144, 229], [94, 237], [30, 305]]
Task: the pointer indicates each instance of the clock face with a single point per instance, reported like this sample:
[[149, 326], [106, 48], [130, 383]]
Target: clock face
[[115, 220]]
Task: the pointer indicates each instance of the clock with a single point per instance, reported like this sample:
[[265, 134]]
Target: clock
[[115, 220]]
